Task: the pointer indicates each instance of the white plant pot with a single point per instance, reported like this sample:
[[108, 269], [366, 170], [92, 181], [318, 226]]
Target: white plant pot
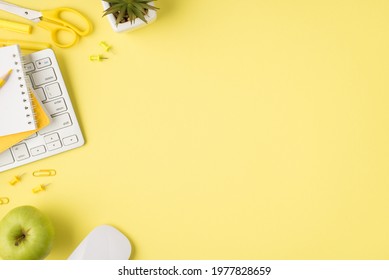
[[128, 26]]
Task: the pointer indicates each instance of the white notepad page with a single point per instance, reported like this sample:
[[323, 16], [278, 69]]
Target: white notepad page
[[16, 112]]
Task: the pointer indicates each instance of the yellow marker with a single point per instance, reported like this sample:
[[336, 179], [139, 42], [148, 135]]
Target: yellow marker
[[105, 46], [4, 79], [44, 173], [25, 45], [39, 188], [15, 26], [15, 180], [4, 200], [98, 57]]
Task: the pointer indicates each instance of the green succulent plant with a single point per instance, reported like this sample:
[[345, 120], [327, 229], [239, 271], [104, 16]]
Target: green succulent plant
[[129, 10]]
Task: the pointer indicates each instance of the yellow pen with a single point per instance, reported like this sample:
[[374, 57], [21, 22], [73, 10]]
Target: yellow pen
[[15, 26], [25, 45], [4, 79]]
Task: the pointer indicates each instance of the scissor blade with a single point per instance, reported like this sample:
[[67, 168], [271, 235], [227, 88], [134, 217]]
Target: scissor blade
[[20, 11]]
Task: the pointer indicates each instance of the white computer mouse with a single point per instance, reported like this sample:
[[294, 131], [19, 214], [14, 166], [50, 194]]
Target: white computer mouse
[[103, 243]]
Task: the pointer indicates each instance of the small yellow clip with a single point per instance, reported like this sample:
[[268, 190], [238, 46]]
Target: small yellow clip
[[105, 46], [15, 180], [39, 188], [44, 173], [98, 57], [4, 200]]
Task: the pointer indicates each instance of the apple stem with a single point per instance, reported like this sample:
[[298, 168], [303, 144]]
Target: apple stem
[[20, 239]]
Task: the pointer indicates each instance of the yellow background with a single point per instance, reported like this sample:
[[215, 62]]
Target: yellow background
[[253, 129]]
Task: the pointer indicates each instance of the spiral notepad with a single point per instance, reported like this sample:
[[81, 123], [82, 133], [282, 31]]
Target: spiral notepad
[[16, 110]]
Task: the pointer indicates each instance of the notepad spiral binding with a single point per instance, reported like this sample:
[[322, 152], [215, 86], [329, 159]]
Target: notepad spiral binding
[[25, 87]]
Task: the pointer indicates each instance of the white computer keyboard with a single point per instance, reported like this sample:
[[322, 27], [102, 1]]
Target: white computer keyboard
[[63, 133]]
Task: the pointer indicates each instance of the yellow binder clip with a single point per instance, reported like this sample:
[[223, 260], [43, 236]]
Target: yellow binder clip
[[4, 200], [44, 173], [39, 188]]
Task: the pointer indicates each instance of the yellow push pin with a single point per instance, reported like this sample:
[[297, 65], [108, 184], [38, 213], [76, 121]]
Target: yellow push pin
[[97, 57], [39, 188], [15, 180], [105, 46]]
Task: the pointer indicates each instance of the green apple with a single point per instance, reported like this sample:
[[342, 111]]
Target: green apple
[[25, 234]]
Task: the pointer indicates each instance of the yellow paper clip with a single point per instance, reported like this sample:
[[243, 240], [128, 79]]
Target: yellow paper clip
[[4, 200], [105, 46], [15, 180], [44, 173], [98, 57], [39, 188]]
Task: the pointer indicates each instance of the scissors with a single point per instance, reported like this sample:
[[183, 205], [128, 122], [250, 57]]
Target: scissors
[[53, 21]]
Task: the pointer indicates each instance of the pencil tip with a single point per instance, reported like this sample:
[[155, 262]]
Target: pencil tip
[[8, 74], [4, 79]]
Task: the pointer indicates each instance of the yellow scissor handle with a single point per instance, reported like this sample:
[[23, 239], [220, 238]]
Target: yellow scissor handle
[[55, 15], [57, 32]]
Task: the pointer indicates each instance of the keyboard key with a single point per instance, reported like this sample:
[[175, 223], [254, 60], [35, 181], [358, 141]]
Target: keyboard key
[[44, 77], [70, 140], [51, 138], [53, 90], [56, 106], [40, 94], [44, 62], [29, 67], [20, 152], [58, 122], [6, 158], [38, 150], [32, 136], [54, 145], [28, 81]]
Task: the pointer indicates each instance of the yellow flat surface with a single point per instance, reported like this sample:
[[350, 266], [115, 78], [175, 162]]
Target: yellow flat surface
[[226, 130]]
